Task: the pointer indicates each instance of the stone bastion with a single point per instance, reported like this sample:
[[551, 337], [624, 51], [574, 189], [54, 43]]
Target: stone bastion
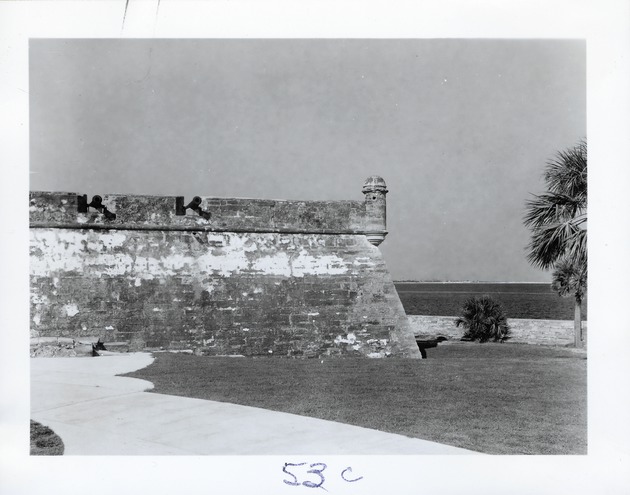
[[219, 276]]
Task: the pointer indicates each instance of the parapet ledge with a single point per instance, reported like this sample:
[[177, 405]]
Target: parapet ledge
[[204, 213]]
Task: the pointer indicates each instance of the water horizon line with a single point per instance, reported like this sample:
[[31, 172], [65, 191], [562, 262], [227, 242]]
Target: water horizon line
[[463, 282]]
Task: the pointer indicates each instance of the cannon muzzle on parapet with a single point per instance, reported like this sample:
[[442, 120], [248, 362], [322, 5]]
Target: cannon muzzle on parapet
[[194, 205], [96, 203]]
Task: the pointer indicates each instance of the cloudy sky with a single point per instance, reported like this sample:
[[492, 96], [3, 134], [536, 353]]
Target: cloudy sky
[[459, 129]]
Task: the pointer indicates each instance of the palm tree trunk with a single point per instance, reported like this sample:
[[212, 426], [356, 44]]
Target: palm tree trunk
[[577, 323]]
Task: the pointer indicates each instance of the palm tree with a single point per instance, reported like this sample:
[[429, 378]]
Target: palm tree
[[569, 279], [557, 220], [484, 319]]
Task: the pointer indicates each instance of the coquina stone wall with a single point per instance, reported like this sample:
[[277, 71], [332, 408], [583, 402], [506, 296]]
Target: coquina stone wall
[[544, 332], [221, 276]]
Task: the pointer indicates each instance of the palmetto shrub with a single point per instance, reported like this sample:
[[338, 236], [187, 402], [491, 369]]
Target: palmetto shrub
[[484, 319]]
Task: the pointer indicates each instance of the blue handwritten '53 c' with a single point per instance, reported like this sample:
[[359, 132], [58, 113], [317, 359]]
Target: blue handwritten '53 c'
[[343, 475], [307, 483], [295, 480], [318, 472]]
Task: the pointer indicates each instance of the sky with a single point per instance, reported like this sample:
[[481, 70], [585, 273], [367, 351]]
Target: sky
[[460, 129]]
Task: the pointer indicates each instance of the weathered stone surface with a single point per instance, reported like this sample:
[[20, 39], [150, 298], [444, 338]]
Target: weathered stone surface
[[226, 214], [53, 351], [284, 286]]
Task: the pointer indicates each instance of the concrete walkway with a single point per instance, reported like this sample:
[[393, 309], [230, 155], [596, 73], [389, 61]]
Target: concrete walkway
[[96, 412]]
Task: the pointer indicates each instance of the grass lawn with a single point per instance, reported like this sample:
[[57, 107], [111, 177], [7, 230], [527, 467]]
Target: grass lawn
[[492, 398], [44, 441]]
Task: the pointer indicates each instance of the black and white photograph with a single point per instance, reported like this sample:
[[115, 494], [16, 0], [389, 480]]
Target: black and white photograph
[[312, 249]]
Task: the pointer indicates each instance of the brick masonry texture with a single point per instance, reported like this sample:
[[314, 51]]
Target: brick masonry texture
[[524, 331], [226, 214], [258, 278]]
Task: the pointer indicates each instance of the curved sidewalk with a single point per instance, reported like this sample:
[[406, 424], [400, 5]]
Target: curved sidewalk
[[96, 412]]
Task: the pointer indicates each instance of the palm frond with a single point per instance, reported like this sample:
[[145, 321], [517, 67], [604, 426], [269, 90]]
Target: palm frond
[[567, 172], [552, 207], [554, 241], [570, 278], [557, 218]]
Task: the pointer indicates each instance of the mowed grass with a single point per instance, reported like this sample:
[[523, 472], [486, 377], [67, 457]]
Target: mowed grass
[[44, 441], [492, 398]]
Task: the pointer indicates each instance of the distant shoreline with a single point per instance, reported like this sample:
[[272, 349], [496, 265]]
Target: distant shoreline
[[463, 282], [524, 300]]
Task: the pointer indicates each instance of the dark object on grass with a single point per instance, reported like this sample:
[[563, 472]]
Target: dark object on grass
[[484, 319], [99, 346], [44, 441], [423, 345]]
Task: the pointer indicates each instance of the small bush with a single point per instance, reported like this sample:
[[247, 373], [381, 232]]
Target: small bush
[[484, 319]]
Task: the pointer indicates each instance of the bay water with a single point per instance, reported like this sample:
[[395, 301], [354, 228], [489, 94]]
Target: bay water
[[520, 300]]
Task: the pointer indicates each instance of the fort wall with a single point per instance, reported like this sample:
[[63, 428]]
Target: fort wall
[[221, 276]]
